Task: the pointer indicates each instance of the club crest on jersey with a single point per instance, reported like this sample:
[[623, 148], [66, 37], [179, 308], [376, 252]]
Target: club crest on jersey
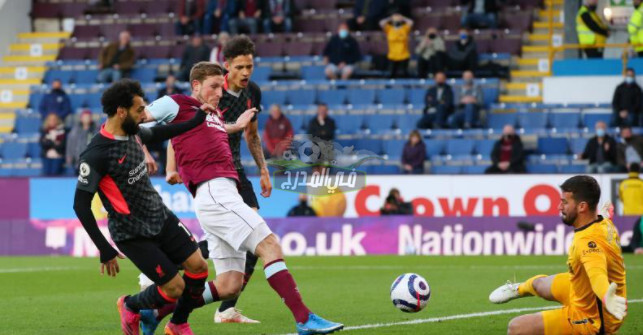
[[214, 121], [83, 172]]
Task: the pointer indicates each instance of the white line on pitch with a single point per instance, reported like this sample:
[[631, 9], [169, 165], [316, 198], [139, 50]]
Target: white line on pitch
[[459, 316], [38, 269], [397, 267]]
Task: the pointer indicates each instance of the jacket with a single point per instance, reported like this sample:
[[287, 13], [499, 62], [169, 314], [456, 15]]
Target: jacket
[[635, 28], [342, 50], [125, 60], [590, 27], [56, 101], [278, 134], [627, 97], [325, 132], [517, 161], [431, 98], [198, 12], [631, 193], [592, 146], [414, 155], [489, 6]]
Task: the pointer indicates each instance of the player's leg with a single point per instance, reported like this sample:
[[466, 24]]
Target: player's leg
[[551, 322], [528, 324], [552, 288]]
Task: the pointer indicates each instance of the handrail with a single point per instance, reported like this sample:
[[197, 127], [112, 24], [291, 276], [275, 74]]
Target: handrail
[[624, 56]]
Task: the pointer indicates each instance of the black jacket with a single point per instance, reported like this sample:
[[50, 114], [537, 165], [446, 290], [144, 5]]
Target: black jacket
[[301, 210], [431, 98], [342, 50], [325, 132], [627, 97], [489, 6], [517, 154], [592, 146], [193, 55]]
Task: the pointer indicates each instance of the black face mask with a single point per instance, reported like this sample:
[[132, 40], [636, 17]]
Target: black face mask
[[130, 127], [627, 140], [432, 36], [592, 7], [398, 23]]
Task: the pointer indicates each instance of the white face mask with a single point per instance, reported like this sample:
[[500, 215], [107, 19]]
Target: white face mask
[[629, 79]]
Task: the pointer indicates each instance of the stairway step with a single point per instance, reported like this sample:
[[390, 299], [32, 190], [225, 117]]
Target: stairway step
[[545, 25], [32, 81], [520, 86], [535, 48], [523, 74], [519, 99], [13, 105], [27, 46], [47, 34], [29, 59]]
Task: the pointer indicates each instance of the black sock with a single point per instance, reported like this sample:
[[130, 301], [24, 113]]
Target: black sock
[[192, 294], [251, 261], [150, 298]]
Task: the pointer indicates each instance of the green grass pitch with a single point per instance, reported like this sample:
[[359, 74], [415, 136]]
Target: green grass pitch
[[62, 295]]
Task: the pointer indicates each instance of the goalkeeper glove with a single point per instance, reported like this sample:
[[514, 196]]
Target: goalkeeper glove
[[614, 304]]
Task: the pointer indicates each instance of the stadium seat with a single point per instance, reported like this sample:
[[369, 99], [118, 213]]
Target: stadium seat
[[28, 124], [261, 74], [379, 123], [64, 76], [434, 147], [394, 149], [542, 168], [361, 97], [407, 123], [332, 97], [35, 99], [416, 97], [484, 147], [499, 120], [577, 145], [13, 150], [573, 168], [474, 169], [85, 76], [313, 73], [298, 122], [460, 147], [349, 123], [372, 145], [565, 121], [34, 150], [446, 169], [269, 98], [533, 120], [555, 146], [143, 74], [394, 96], [590, 119], [301, 97]]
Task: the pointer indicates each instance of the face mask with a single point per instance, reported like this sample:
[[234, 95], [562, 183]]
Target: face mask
[[343, 33], [592, 7], [464, 36], [432, 36], [398, 23], [627, 140], [600, 132], [629, 80]]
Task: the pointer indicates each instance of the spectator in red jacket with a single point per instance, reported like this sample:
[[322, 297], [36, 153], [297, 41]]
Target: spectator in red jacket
[[190, 14], [278, 133], [52, 141]]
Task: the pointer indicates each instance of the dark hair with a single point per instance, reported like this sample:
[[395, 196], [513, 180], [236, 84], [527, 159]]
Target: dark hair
[[635, 167], [630, 69], [583, 188], [120, 94], [319, 104], [201, 70], [238, 46]]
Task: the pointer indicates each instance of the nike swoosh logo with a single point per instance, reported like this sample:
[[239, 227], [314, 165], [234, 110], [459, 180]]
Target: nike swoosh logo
[[224, 110], [120, 161]]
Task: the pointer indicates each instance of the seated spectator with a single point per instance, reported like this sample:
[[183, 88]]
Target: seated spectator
[[480, 14], [601, 150], [170, 87], [367, 13], [56, 101], [216, 55], [211, 23], [80, 135], [507, 155], [278, 133], [470, 103], [248, 15], [322, 126], [190, 14], [341, 53], [302, 209], [193, 53], [395, 205], [397, 29], [224, 11], [626, 104], [52, 141], [116, 59], [431, 53], [278, 16], [636, 243], [414, 154], [439, 104], [630, 150], [463, 55]]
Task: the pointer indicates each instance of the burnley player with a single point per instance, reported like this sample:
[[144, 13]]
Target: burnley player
[[142, 227], [232, 228]]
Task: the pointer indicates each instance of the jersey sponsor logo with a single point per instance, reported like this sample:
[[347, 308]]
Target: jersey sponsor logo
[[214, 121], [122, 159], [137, 173], [159, 271], [591, 244]]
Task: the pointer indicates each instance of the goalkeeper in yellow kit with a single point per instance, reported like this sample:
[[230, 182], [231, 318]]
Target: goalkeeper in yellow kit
[[593, 291]]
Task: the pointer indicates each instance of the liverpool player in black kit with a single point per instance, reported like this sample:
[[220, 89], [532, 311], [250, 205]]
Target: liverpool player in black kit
[[142, 227]]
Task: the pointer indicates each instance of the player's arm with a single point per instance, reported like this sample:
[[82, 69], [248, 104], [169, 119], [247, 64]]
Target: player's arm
[[171, 172], [165, 132], [242, 121], [254, 145], [594, 261]]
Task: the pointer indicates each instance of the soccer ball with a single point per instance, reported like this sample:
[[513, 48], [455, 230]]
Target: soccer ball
[[410, 293]]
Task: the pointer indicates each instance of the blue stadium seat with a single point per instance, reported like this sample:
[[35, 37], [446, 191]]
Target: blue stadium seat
[[460, 147], [394, 148], [490, 95], [434, 147], [573, 168], [383, 169], [92, 100], [553, 146], [379, 123], [361, 97], [28, 125], [34, 150], [565, 120], [372, 145], [474, 169], [262, 118], [590, 119], [446, 169], [312, 72], [269, 98], [349, 123], [484, 147], [261, 73], [407, 123], [393, 96], [35, 99], [64, 76], [85, 76], [533, 120], [416, 97], [577, 145], [13, 150], [499, 120], [301, 97], [77, 101], [245, 152], [332, 97], [542, 168], [298, 122], [144, 74]]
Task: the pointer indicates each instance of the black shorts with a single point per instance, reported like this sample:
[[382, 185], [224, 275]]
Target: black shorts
[[246, 191], [157, 257]]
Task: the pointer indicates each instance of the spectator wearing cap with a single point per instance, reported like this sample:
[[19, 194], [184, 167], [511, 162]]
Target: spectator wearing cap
[[341, 53], [190, 14], [117, 59], [80, 135], [55, 101], [196, 52]]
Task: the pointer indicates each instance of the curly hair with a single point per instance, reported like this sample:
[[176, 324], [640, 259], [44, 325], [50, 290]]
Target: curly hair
[[238, 46], [120, 94]]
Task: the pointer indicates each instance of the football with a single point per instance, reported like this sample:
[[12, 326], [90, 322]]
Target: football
[[410, 293]]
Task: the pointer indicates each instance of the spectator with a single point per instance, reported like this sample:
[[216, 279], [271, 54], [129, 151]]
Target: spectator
[[635, 28], [211, 24], [397, 29], [278, 16], [193, 53], [626, 103], [591, 29], [190, 13], [507, 155], [631, 191], [170, 87], [278, 133], [631, 149], [395, 205], [463, 55], [470, 103], [601, 151], [431, 53], [216, 55], [322, 126], [116, 59], [636, 243], [302, 209], [414, 154], [248, 15], [79, 136], [52, 141], [367, 13], [480, 14], [56, 101], [439, 104], [224, 11], [341, 53]]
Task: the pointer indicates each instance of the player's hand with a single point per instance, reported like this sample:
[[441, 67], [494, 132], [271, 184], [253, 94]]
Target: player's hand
[[208, 108], [264, 181], [173, 178], [615, 305], [245, 118], [152, 168], [638, 251], [111, 266]]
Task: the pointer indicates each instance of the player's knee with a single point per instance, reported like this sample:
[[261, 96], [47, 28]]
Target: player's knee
[[541, 286], [199, 266], [514, 327], [269, 249], [174, 289], [229, 289]]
